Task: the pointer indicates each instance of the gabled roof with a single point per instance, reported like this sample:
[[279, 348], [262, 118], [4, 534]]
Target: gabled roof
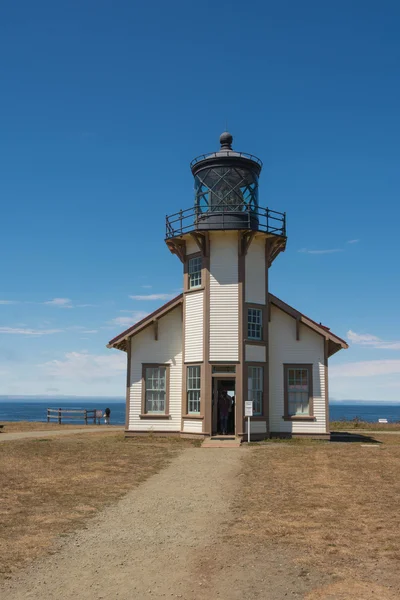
[[119, 341], [335, 342]]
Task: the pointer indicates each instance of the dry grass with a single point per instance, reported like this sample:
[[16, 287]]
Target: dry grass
[[17, 426], [52, 486], [364, 425], [337, 504]]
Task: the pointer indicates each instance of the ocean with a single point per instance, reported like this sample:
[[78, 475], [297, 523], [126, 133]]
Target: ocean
[[23, 410]]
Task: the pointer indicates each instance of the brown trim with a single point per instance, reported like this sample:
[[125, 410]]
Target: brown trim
[[192, 416], [144, 414], [264, 322], [177, 246], [297, 330], [265, 408], [326, 381], [254, 342], [183, 391], [223, 375], [186, 287], [299, 418], [119, 341], [128, 382], [154, 416], [206, 391], [286, 415], [240, 376], [318, 328], [140, 432], [267, 320], [194, 290], [155, 323]]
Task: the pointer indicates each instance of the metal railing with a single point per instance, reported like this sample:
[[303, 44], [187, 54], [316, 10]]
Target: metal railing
[[242, 217], [224, 154]]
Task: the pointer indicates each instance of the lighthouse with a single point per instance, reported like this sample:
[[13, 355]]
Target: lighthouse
[[227, 340]]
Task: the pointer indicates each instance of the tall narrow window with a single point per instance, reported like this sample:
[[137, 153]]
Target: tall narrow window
[[298, 390], [194, 272], [155, 389], [193, 390], [255, 388], [254, 324]]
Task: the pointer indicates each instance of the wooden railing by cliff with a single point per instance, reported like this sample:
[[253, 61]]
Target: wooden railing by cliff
[[73, 414]]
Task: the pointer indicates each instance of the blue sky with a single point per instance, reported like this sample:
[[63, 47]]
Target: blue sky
[[104, 104]]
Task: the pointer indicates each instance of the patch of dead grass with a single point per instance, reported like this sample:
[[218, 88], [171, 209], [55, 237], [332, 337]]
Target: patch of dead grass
[[51, 487], [17, 426], [364, 425], [337, 504]]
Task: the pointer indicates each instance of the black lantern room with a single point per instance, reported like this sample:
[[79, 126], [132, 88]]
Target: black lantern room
[[226, 195]]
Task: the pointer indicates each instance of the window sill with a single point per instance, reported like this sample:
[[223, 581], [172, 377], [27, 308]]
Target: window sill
[[196, 289], [155, 416], [192, 416], [299, 418], [255, 342]]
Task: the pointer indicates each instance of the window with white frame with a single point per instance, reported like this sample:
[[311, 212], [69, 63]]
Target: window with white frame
[[255, 388], [254, 324], [155, 389], [193, 390], [194, 272], [298, 390]]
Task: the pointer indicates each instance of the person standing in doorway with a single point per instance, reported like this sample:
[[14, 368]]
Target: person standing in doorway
[[107, 414], [224, 404]]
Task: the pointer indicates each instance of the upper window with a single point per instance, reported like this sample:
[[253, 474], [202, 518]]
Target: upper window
[[193, 390], [155, 389], [194, 272], [298, 393], [255, 388], [254, 324]]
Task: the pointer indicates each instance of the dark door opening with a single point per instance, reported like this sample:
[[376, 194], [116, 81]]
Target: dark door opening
[[223, 407]]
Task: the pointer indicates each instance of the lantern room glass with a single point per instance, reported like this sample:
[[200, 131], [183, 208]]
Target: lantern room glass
[[226, 189]]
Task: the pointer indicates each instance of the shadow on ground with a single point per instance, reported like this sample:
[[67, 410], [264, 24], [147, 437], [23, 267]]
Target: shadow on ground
[[346, 436]]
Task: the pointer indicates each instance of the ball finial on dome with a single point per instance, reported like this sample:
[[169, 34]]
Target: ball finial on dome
[[226, 140]]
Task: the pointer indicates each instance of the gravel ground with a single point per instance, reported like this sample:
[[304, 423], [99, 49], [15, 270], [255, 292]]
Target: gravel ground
[[168, 538]]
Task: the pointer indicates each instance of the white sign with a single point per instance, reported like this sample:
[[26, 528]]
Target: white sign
[[248, 408]]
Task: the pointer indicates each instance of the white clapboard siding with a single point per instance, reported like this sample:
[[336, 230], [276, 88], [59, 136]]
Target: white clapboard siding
[[255, 353], [255, 426], [167, 349], [255, 272], [194, 326], [283, 348], [224, 301], [192, 426]]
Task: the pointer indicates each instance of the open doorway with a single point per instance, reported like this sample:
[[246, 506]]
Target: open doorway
[[223, 406]]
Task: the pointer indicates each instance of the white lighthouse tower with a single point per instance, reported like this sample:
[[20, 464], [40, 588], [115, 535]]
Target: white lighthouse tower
[[226, 243], [194, 362]]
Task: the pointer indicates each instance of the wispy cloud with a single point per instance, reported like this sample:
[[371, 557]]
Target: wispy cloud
[[60, 302], [9, 302], [353, 241], [133, 318], [153, 297], [329, 251], [86, 367], [366, 339], [367, 368], [24, 331]]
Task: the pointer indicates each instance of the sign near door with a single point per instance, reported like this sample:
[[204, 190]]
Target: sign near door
[[248, 408]]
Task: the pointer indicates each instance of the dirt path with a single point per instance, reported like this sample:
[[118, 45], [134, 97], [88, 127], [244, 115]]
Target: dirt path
[[21, 435], [167, 539]]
